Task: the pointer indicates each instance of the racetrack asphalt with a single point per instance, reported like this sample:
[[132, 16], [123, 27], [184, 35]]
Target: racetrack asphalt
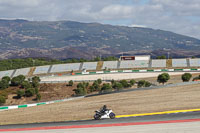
[[152, 118]]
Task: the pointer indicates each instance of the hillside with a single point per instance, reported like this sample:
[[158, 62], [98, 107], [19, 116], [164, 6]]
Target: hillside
[[68, 39]]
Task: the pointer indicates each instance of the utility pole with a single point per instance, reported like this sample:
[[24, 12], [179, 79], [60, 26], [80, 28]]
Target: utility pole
[[168, 54]]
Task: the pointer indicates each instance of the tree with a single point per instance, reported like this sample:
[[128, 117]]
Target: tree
[[186, 77], [16, 81], [20, 93], [132, 82], [161, 57], [30, 92], [2, 100], [36, 91], [163, 78], [106, 88], [35, 81], [70, 83], [6, 78], [3, 84], [26, 84]]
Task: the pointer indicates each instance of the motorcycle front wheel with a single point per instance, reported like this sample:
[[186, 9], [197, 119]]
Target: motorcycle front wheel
[[112, 116]]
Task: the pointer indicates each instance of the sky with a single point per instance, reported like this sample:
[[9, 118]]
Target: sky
[[179, 16]]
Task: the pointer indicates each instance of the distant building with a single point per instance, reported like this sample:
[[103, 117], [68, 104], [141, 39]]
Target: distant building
[[136, 57]]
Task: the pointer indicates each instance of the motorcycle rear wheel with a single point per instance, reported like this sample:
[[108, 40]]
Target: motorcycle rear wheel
[[97, 117]]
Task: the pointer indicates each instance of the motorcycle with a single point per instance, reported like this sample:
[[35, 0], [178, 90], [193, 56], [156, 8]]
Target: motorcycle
[[108, 114]]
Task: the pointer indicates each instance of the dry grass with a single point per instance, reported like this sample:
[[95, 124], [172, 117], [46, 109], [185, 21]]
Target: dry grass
[[173, 98]]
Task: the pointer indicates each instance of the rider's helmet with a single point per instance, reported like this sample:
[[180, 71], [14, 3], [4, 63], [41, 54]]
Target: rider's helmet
[[104, 106]]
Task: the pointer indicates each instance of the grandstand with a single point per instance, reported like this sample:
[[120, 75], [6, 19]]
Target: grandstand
[[159, 63], [102, 65], [65, 67], [23, 71], [194, 62], [179, 63], [110, 65], [89, 66], [41, 70], [134, 64], [6, 73]]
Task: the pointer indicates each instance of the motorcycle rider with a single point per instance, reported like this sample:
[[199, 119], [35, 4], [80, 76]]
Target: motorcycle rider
[[103, 109]]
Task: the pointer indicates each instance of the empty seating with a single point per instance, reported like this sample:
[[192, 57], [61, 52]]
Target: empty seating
[[159, 63], [194, 62], [89, 65], [65, 67], [179, 63], [23, 71], [110, 65], [134, 64], [41, 70], [6, 73]]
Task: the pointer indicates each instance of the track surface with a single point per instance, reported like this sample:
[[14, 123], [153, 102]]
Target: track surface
[[143, 119]]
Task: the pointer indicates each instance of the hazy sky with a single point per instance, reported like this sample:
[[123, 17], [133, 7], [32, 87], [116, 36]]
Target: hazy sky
[[180, 16]]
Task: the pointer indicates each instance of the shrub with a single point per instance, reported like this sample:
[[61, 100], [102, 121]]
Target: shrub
[[106, 88], [20, 93], [117, 86], [96, 86], [38, 97], [6, 78], [2, 100], [147, 84], [186, 77], [30, 92], [21, 78], [35, 81], [80, 91], [70, 83], [3, 84], [16, 81], [92, 89], [163, 78], [99, 81], [26, 84], [132, 82], [124, 83], [143, 83]]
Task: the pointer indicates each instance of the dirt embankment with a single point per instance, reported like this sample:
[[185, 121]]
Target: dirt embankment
[[172, 98], [58, 91]]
